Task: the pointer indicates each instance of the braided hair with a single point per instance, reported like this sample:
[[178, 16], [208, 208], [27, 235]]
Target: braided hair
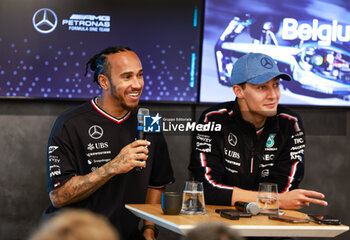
[[99, 63]]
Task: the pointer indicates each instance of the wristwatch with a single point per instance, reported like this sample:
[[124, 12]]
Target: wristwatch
[[153, 227]]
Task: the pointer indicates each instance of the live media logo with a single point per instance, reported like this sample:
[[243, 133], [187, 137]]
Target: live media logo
[[153, 123]]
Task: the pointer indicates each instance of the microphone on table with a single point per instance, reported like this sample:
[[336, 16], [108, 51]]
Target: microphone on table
[[252, 207], [140, 123]]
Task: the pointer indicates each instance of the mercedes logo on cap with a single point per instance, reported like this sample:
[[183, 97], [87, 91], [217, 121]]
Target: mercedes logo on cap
[[45, 20], [95, 132], [266, 63]]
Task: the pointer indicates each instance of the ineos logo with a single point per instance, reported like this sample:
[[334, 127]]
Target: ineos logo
[[45, 20], [95, 132], [232, 139], [266, 63]]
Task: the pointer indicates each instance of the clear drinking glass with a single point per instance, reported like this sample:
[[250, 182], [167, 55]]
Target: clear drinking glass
[[193, 198], [268, 198]]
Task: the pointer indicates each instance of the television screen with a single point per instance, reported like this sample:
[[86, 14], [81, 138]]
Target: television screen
[[46, 44], [309, 39]]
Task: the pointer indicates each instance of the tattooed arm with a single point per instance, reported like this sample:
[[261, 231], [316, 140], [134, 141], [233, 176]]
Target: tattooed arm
[[80, 187]]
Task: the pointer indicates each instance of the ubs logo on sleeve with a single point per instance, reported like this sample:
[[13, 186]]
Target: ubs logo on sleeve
[[52, 149]]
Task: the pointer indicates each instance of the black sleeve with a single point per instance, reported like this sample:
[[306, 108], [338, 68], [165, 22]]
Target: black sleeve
[[206, 165], [162, 171], [288, 170], [60, 167]]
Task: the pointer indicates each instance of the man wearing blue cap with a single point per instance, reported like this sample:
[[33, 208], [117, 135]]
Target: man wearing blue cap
[[259, 141]]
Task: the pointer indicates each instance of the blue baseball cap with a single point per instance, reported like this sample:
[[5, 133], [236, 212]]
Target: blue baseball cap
[[255, 68]]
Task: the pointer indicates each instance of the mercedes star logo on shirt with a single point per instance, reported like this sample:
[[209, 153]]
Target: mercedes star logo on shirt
[[45, 20], [232, 139], [95, 132]]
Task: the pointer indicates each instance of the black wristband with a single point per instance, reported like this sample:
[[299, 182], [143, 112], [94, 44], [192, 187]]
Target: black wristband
[[153, 227]]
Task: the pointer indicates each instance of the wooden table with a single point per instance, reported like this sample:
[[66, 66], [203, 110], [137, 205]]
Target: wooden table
[[256, 226]]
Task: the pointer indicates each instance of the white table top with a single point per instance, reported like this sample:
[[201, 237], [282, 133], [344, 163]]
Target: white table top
[[256, 226]]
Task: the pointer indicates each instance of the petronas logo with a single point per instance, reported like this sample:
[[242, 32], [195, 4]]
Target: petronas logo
[[270, 140]]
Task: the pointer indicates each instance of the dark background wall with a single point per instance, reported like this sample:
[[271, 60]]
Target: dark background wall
[[25, 126]]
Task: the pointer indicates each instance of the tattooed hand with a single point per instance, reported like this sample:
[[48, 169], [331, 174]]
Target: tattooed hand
[[131, 156], [80, 187]]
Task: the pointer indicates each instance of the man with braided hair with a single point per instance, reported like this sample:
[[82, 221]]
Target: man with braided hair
[[93, 156]]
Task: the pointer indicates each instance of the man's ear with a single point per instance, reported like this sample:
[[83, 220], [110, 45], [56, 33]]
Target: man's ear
[[103, 80], [238, 90]]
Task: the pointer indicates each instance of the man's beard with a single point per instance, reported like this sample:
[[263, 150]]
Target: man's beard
[[128, 108], [121, 100]]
